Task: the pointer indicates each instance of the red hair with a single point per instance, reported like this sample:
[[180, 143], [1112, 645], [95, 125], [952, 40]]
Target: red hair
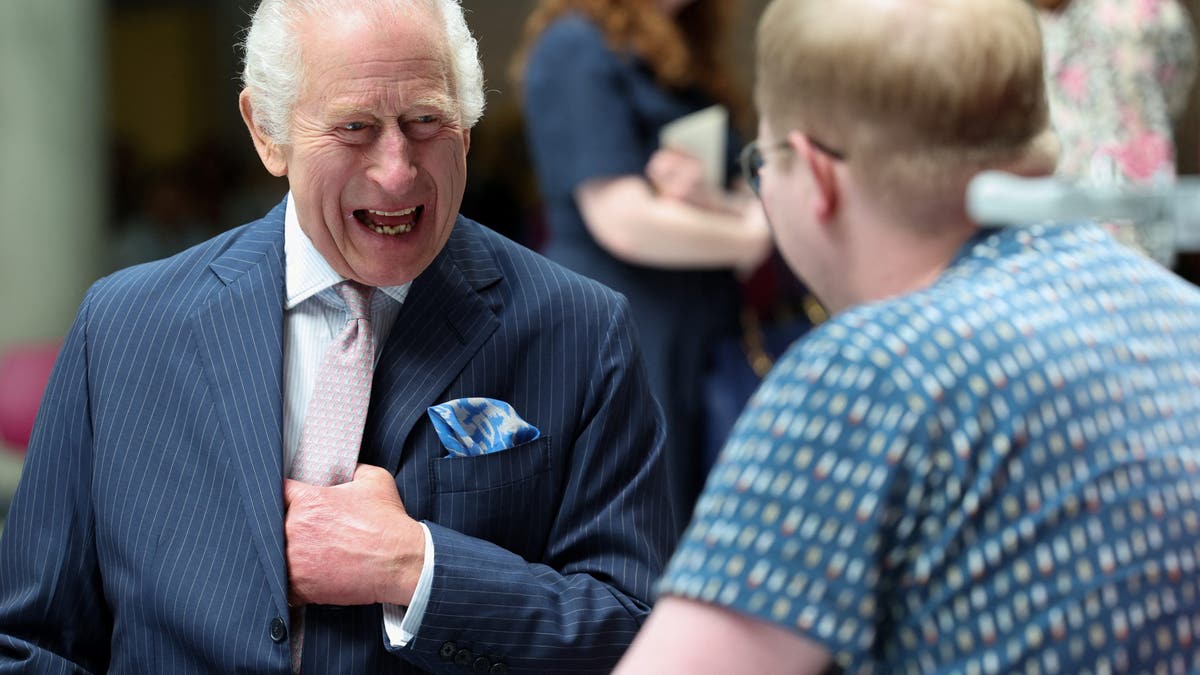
[[687, 51]]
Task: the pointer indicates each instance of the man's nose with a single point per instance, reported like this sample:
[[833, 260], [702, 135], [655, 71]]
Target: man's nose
[[390, 162]]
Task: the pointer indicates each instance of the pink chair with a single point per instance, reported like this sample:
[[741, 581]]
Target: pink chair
[[24, 372]]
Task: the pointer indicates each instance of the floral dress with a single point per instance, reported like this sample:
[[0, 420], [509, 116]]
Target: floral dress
[[1118, 75]]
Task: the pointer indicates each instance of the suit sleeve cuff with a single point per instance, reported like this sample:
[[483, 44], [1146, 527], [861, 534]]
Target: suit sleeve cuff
[[400, 624]]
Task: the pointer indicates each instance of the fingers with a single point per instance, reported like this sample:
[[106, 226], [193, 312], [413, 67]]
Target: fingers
[[670, 154], [293, 490], [663, 166], [365, 475], [372, 473], [677, 175]]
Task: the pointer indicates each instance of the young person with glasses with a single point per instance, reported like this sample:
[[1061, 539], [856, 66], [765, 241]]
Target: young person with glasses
[[988, 459]]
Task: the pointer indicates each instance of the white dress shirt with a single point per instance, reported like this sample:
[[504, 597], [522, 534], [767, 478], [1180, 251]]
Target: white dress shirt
[[313, 315]]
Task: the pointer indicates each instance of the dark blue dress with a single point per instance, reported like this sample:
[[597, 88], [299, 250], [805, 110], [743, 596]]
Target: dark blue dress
[[593, 113]]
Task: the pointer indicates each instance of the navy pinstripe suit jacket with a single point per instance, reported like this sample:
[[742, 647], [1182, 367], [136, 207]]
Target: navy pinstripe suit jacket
[[146, 535]]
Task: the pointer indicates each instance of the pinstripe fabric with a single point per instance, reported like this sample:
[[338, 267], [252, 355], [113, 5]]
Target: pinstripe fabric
[[150, 512]]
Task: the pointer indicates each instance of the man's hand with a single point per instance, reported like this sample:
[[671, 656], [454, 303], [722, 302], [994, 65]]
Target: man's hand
[[351, 544]]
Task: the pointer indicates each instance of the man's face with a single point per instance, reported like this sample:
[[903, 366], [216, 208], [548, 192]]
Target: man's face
[[377, 160]]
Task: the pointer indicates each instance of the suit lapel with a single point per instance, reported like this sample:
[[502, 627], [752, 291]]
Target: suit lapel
[[240, 338], [443, 323], [239, 333]]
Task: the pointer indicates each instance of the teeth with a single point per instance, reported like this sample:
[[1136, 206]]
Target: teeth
[[392, 214], [399, 229], [367, 217]]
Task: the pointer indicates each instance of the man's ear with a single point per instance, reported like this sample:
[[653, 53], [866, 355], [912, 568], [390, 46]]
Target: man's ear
[[466, 141], [821, 169], [270, 152]]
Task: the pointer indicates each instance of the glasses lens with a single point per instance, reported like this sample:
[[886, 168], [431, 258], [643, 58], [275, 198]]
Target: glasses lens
[[752, 161]]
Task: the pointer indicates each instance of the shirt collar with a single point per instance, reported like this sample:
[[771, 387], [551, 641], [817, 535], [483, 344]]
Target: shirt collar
[[306, 271]]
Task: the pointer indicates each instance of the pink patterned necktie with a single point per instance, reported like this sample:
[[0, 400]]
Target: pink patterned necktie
[[333, 425]]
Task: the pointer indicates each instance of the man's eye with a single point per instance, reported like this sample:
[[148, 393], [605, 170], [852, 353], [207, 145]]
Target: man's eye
[[354, 126], [423, 126]]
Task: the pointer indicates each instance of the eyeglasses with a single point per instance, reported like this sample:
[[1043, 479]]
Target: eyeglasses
[[753, 157]]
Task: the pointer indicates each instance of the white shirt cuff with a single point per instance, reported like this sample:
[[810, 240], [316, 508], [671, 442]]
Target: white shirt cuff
[[400, 624]]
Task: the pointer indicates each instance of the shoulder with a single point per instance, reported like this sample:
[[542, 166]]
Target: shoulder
[[571, 43], [164, 288], [867, 381], [1171, 30], [871, 340], [570, 34]]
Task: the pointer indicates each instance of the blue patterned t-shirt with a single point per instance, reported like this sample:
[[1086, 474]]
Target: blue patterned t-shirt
[[998, 473]]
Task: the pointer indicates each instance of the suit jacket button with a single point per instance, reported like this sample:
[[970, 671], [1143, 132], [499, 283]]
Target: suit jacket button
[[482, 664], [278, 629], [464, 657], [447, 651], [499, 669]]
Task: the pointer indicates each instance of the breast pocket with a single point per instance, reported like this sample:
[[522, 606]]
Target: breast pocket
[[504, 497]]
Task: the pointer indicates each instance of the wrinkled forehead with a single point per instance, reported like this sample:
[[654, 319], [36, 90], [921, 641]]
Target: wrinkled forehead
[[356, 29], [376, 40], [420, 16]]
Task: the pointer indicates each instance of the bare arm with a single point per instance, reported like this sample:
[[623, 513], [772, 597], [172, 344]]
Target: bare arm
[[686, 636], [635, 224]]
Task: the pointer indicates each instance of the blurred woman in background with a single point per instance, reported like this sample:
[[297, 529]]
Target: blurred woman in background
[[600, 79], [1118, 76]]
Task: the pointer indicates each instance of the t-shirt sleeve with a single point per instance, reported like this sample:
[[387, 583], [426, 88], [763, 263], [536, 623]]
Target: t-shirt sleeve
[[581, 123], [791, 526]]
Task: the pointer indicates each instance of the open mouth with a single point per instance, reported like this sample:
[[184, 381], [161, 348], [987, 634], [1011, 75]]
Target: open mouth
[[389, 222]]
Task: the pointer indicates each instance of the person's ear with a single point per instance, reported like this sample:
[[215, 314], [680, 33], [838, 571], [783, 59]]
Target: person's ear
[[270, 152], [822, 170], [466, 141]]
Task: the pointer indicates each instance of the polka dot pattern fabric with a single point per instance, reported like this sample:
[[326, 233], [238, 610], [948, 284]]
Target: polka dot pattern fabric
[[996, 474]]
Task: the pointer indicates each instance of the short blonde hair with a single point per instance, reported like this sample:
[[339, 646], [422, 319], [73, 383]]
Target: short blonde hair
[[919, 94]]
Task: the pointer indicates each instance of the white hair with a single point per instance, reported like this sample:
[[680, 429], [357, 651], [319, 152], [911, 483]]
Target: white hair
[[274, 69]]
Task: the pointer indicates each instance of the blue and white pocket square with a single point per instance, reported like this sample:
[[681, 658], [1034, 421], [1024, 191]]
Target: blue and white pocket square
[[478, 426]]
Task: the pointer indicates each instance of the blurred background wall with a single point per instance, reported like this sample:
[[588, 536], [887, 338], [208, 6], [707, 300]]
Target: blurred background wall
[[122, 143]]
